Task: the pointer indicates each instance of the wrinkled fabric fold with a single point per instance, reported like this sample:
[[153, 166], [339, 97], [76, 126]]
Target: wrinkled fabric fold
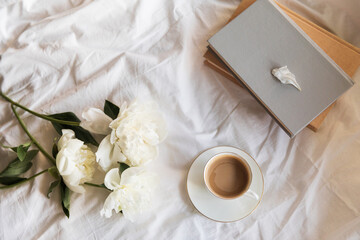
[[59, 56]]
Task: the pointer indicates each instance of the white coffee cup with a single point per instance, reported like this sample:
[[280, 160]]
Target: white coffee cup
[[228, 176]]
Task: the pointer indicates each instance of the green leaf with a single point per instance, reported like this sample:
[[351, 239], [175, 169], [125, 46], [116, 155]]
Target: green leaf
[[20, 150], [111, 109], [54, 172], [65, 198], [80, 132], [17, 167], [52, 186], [11, 180], [55, 150], [27, 145], [66, 116], [31, 154], [122, 167]]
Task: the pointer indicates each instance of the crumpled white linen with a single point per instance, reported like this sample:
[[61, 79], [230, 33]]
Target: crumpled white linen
[[68, 55]]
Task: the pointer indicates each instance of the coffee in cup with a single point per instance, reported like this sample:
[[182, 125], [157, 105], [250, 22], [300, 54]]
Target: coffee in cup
[[227, 175]]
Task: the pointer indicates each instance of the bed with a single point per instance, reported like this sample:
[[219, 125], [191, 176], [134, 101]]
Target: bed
[[67, 55]]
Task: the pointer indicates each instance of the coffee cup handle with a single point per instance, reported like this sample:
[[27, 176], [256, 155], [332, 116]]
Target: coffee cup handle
[[250, 193]]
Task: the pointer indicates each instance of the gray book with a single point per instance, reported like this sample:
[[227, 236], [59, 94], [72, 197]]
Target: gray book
[[263, 38]]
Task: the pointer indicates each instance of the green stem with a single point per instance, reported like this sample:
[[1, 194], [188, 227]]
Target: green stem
[[4, 146], [48, 156], [23, 181], [97, 185], [38, 114]]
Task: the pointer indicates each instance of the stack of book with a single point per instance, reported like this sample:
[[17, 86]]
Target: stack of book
[[263, 35]]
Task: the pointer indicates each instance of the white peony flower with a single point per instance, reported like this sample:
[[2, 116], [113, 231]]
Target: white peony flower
[[133, 137], [75, 161], [132, 193]]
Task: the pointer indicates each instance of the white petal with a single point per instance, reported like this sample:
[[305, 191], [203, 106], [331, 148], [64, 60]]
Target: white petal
[[74, 188], [68, 171], [161, 128], [137, 176], [67, 134], [110, 204], [73, 145], [96, 121], [108, 155], [141, 154], [103, 154], [113, 137], [112, 179], [63, 164], [123, 108], [74, 178], [136, 192], [117, 154], [133, 205], [128, 174], [158, 120]]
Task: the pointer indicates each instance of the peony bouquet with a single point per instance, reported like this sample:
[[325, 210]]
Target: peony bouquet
[[131, 136]]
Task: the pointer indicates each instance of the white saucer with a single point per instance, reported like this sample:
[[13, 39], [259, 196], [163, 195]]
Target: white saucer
[[217, 209]]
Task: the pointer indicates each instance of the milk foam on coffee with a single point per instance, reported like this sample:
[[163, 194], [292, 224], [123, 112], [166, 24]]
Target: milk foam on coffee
[[227, 176]]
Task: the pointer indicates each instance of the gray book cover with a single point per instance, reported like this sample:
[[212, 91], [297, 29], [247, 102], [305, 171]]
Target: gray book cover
[[263, 38]]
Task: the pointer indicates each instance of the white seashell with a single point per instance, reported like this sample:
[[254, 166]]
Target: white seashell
[[285, 76]]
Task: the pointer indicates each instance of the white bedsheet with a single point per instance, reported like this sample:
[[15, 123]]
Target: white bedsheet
[[67, 55]]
